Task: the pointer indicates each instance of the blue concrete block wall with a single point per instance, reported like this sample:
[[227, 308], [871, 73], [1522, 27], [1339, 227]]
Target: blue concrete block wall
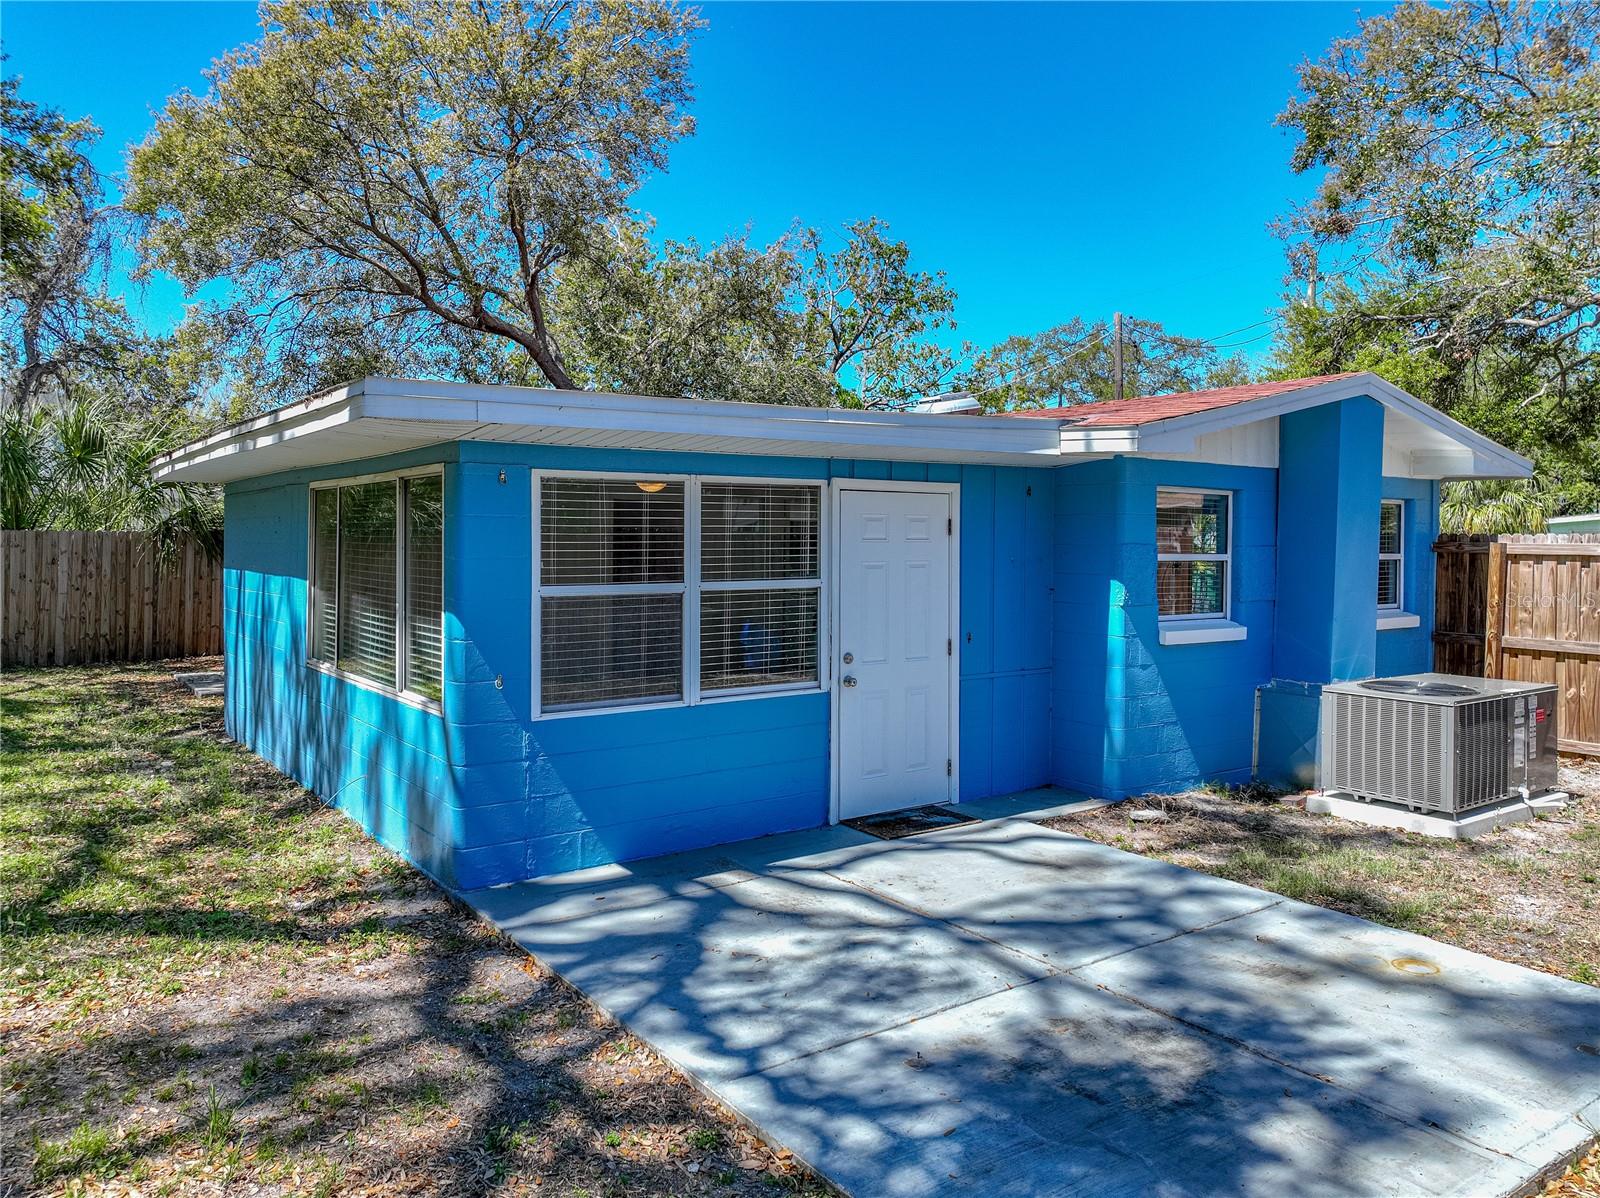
[[482, 793], [389, 765], [1330, 483], [1063, 678], [1134, 715]]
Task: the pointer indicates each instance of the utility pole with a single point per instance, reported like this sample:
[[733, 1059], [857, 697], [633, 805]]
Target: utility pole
[[1311, 275], [1116, 355]]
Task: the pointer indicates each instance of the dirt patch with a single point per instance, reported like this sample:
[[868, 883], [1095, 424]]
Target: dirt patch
[[213, 983], [1529, 893]]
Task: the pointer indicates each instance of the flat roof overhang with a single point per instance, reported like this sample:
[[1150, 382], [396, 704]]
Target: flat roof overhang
[[379, 416]]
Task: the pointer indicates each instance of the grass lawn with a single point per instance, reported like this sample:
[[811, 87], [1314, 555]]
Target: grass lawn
[[1529, 894], [213, 983]]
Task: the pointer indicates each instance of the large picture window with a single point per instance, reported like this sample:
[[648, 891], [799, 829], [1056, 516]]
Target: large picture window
[[655, 590], [1192, 554], [1391, 555], [376, 582]]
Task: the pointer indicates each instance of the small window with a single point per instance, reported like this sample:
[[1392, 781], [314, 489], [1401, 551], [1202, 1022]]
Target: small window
[[634, 573], [376, 582], [1391, 555], [1192, 554]]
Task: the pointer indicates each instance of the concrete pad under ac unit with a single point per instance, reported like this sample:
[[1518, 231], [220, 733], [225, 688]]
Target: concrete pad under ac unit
[[1449, 827]]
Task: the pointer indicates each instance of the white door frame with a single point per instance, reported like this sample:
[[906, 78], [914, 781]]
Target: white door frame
[[836, 590]]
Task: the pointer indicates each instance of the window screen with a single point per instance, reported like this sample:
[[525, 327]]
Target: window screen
[[1391, 554], [1192, 553], [755, 635], [757, 638], [424, 585], [600, 650], [325, 575], [367, 616], [377, 561]]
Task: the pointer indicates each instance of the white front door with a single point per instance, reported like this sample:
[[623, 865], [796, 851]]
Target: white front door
[[894, 652]]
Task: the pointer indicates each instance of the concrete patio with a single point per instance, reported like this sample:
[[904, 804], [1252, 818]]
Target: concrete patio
[[1001, 1008]]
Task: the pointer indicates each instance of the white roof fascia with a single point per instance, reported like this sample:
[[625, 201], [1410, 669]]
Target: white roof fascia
[[459, 411]]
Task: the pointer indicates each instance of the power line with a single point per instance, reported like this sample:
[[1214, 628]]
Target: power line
[[1215, 341], [1077, 347]]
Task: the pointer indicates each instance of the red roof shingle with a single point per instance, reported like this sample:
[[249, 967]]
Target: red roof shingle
[[1146, 409]]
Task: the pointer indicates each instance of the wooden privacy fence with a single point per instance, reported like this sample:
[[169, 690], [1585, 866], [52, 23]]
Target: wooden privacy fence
[[74, 597], [1525, 608]]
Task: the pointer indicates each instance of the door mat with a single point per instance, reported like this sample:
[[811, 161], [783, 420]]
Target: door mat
[[892, 825]]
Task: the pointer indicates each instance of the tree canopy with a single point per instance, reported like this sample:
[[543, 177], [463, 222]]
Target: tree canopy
[[448, 188], [416, 161], [1459, 213]]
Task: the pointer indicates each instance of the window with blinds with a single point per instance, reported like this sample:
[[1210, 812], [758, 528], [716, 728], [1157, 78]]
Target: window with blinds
[[325, 576], [667, 590], [1391, 554], [761, 580], [367, 615], [1192, 553], [377, 582], [424, 501], [612, 586]]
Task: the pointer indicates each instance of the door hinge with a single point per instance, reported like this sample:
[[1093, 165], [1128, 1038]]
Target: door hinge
[[949, 767], [949, 526]]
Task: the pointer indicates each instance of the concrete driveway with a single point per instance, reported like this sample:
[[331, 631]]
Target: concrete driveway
[[1004, 1009]]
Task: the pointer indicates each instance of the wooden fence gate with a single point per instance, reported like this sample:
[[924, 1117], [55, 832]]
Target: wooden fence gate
[[1525, 608], [75, 597]]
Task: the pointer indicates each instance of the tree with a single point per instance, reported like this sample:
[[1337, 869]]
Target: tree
[[436, 163], [86, 465], [866, 311], [1459, 210], [1072, 363], [808, 319], [61, 329], [682, 319]]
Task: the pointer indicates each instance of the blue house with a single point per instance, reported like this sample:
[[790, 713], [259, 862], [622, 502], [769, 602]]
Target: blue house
[[519, 631]]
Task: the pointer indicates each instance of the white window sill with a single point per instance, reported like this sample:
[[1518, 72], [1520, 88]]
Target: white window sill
[[1200, 632], [1397, 619], [409, 698]]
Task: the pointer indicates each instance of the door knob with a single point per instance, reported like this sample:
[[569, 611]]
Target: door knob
[[848, 680]]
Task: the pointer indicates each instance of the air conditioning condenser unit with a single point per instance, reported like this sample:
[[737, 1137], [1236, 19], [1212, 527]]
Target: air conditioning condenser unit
[[1437, 742]]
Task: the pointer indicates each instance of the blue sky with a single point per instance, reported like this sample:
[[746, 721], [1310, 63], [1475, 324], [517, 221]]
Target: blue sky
[[1053, 160]]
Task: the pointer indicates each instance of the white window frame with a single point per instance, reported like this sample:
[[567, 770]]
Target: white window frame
[[402, 664], [690, 588], [1189, 618], [1399, 604]]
